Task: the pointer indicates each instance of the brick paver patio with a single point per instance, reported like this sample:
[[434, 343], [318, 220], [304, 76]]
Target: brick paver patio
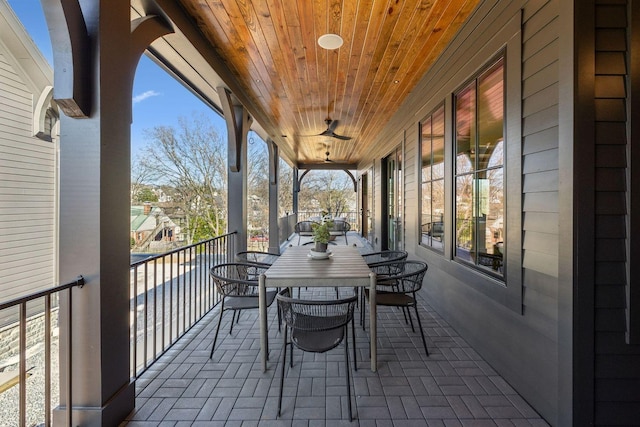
[[453, 386]]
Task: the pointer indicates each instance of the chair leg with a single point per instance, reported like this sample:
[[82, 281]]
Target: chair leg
[[407, 312], [284, 362], [215, 338], [353, 337], [424, 342], [363, 311], [346, 359], [291, 354], [279, 319], [233, 320]]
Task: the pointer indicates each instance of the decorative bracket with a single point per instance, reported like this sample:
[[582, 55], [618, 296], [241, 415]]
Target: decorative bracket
[[72, 56], [238, 124], [353, 179], [273, 162]]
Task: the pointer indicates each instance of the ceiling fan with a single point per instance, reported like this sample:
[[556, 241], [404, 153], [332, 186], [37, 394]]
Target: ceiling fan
[[327, 159], [331, 126]]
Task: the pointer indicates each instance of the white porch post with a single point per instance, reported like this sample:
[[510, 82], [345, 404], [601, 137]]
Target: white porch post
[[274, 230], [96, 48], [238, 125], [296, 189]]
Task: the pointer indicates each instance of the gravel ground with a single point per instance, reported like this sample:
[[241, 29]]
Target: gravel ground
[[9, 400]]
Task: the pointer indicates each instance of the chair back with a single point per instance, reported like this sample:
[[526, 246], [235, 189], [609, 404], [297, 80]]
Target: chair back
[[341, 226], [410, 279], [315, 315], [304, 227], [386, 263], [237, 279], [256, 257]]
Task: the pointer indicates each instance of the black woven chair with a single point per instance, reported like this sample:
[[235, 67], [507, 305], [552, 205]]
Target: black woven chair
[[304, 228], [383, 263], [317, 327], [256, 257], [237, 283], [340, 228], [399, 290]]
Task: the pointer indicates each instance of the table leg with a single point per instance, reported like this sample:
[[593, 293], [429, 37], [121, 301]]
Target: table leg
[[373, 326], [262, 301]]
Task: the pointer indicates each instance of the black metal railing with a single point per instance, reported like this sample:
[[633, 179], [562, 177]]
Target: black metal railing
[[286, 225], [350, 216], [29, 339], [170, 293]]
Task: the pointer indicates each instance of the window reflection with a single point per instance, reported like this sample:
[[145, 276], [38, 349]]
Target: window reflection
[[479, 169], [432, 158]]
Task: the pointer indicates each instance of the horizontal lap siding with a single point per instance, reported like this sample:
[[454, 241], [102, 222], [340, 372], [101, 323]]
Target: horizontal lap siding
[[540, 166], [617, 364], [507, 339], [27, 193]]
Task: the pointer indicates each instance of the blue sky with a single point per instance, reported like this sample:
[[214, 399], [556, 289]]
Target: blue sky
[[157, 98]]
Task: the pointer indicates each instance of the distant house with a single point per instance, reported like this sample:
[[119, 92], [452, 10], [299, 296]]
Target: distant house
[[29, 132], [151, 229]]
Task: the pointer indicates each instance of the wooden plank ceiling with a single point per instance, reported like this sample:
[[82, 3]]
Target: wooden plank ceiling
[[271, 48]]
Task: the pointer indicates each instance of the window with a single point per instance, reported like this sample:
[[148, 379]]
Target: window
[[479, 171], [432, 166]]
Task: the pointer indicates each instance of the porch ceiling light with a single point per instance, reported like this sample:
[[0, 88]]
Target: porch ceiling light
[[330, 41]]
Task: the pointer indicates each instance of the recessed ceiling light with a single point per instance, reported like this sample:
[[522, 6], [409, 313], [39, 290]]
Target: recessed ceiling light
[[396, 81], [330, 41]]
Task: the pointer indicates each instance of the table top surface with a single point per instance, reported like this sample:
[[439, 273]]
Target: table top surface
[[345, 267]]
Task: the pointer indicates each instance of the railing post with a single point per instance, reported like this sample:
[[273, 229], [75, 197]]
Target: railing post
[[47, 360], [69, 377], [23, 363]]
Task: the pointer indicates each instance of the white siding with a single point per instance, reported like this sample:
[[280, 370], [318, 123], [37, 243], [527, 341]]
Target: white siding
[[27, 192]]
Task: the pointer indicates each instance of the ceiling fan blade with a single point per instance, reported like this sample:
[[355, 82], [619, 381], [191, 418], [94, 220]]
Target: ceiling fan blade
[[327, 159], [329, 131]]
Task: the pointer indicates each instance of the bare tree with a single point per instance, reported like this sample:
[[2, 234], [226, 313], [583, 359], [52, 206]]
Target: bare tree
[[285, 189], [191, 164], [331, 191], [257, 183], [140, 178]]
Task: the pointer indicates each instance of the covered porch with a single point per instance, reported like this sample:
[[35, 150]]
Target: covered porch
[[499, 121], [453, 386]]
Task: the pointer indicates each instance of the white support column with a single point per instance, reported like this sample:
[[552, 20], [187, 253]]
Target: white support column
[[296, 189], [96, 49], [238, 125], [274, 230]]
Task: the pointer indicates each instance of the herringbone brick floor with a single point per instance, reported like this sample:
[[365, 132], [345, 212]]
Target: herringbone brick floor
[[453, 386]]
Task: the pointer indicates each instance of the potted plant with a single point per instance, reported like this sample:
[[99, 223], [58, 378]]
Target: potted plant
[[321, 235]]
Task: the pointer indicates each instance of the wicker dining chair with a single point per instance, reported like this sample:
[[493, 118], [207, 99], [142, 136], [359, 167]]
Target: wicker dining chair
[[256, 257], [401, 291], [384, 263], [304, 228], [237, 283], [316, 326]]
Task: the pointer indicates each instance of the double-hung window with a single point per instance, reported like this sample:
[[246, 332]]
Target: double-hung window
[[479, 170], [432, 167]]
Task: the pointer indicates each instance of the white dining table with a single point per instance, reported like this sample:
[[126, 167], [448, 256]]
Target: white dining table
[[345, 267]]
